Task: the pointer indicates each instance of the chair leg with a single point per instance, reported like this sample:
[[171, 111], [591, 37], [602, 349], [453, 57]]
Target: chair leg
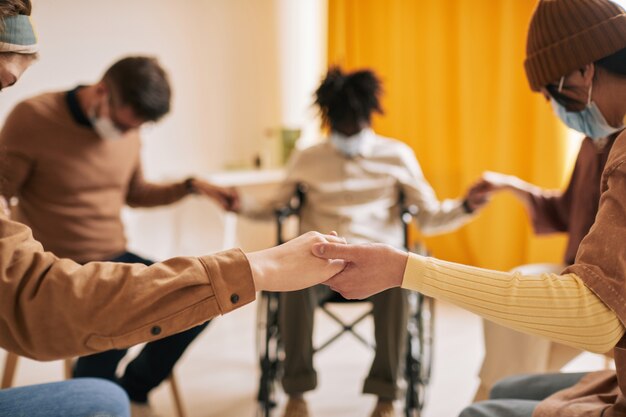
[[9, 370], [180, 411]]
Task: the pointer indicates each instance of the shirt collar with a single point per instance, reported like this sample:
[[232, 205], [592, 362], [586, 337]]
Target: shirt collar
[[75, 110], [367, 148], [365, 145]]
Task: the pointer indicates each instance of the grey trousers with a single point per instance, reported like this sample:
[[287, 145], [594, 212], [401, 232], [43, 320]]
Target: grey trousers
[[519, 395], [390, 320]]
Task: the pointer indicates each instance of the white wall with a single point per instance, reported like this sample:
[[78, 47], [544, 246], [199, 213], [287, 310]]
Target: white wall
[[221, 56], [229, 82], [302, 40]]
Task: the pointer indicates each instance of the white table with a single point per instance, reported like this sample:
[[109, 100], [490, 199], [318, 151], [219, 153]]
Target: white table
[[197, 226]]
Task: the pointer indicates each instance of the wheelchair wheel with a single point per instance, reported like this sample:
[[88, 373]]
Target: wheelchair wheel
[[269, 352], [419, 354]]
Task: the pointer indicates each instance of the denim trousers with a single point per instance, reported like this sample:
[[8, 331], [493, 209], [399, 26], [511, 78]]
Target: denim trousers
[[83, 397], [518, 396]]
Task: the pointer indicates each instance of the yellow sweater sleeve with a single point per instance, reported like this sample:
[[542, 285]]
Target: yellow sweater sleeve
[[558, 307]]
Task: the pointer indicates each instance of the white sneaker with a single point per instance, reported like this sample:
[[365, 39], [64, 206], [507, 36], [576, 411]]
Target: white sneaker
[[141, 410]]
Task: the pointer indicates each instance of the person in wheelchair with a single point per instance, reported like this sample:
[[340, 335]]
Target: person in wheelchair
[[353, 183]]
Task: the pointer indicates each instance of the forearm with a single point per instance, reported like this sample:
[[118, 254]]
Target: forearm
[[147, 194], [546, 209], [557, 307], [523, 194], [443, 217], [256, 209], [53, 308], [264, 208]]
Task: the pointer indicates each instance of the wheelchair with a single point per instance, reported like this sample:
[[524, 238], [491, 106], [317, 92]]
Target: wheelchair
[[419, 349]]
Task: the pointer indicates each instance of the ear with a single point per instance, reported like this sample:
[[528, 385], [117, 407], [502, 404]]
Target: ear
[[101, 88], [587, 72]]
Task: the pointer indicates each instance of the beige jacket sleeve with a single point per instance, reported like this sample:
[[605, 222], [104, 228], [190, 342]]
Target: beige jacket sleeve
[[433, 216], [53, 308], [16, 151]]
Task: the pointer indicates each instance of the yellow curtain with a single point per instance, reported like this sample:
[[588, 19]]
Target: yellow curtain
[[455, 90]]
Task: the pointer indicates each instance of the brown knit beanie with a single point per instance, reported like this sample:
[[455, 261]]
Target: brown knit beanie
[[566, 35]]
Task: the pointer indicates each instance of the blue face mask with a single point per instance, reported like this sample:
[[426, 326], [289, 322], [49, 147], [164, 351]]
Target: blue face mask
[[589, 121]]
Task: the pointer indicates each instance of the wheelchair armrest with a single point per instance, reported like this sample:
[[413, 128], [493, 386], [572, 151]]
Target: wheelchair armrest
[[284, 212], [291, 209]]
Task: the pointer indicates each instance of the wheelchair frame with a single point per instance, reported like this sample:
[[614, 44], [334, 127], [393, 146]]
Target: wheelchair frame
[[420, 329]]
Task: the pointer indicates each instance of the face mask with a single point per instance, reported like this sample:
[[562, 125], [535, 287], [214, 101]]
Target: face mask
[[349, 146], [105, 128], [103, 125], [589, 121]]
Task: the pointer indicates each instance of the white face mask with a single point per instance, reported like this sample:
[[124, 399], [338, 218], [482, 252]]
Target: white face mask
[[105, 128], [350, 146], [103, 125]]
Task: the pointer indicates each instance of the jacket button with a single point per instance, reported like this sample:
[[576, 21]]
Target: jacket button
[[234, 298], [156, 330]]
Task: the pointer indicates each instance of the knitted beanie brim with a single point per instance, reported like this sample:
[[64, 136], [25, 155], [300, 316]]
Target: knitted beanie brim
[[547, 65]]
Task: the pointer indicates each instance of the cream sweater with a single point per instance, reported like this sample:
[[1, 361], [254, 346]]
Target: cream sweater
[[543, 305]]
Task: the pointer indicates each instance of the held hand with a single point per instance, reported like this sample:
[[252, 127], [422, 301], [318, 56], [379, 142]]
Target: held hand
[[235, 200], [522, 190], [227, 198], [370, 268], [291, 266], [478, 195], [481, 192]]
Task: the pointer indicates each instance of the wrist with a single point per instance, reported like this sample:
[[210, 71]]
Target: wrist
[[260, 268], [467, 206], [399, 259], [256, 270], [190, 185]]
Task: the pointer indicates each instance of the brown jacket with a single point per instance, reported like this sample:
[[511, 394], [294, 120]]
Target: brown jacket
[[574, 210], [53, 308], [601, 264]]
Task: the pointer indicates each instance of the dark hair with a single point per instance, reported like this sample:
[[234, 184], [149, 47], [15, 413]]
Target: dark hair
[[349, 97], [142, 84], [615, 63]]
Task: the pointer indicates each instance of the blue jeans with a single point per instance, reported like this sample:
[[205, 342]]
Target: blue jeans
[[150, 367], [86, 397], [518, 396]]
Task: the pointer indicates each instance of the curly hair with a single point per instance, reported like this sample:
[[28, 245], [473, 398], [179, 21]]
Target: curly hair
[[352, 96]]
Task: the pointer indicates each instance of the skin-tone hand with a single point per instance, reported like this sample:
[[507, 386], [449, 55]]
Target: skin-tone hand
[[227, 198], [292, 266], [478, 195], [369, 269], [495, 182]]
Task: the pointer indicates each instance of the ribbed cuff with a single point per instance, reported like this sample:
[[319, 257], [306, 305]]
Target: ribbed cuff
[[414, 272]]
